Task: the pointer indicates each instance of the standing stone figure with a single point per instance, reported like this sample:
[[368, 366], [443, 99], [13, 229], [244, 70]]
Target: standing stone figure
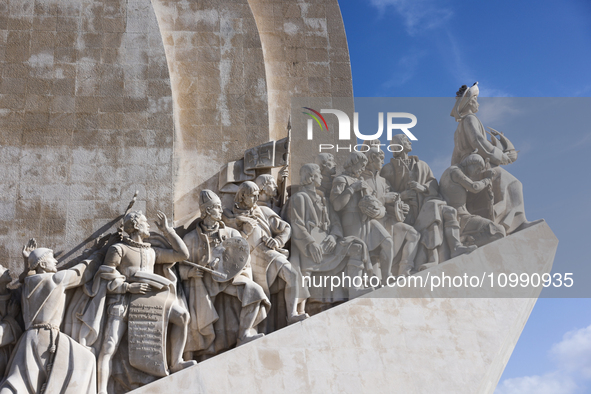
[[46, 360], [318, 245], [328, 169], [508, 208], [405, 237], [456, 183], [212, 330], [267, 233], [348, 190], [10, 329], [429, 215], [132, 258]]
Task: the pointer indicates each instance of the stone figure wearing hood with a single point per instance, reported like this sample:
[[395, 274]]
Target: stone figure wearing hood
[[508, 206]]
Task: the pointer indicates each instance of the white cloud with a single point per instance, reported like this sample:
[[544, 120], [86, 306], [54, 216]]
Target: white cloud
[[574, 351], [419, 15], [572, 373], [552, 383]]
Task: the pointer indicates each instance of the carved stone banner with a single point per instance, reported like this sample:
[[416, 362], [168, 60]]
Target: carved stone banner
[[148, 320]]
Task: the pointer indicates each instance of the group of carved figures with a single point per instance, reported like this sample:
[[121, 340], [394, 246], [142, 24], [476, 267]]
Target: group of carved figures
[[141, 305]]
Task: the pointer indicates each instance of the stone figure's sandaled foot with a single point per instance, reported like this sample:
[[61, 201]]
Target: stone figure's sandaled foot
[[526, 224], [296, 318], [248, 338], [182, 365], [460, 250]]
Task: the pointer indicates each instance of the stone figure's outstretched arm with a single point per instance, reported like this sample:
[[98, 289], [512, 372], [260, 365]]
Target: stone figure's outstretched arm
[[179, 251], [81, 272], [477, 138]]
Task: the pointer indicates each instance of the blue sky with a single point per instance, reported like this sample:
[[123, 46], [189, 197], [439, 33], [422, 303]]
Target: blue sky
[[429, 48]]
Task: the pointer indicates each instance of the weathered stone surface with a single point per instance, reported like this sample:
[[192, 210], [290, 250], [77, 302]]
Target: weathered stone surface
[[411, 345], [85, 120]]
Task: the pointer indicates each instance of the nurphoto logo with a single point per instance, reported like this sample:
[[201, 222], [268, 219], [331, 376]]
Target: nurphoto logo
[[344, 128]]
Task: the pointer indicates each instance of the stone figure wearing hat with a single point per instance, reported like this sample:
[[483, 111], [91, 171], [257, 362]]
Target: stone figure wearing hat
[[224, 313], [266, 234], [46, 360], [509, 210], [131, 260]]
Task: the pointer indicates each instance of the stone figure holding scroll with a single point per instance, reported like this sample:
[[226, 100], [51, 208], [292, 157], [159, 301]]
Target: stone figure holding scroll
[[137, 293], [349, 190], [267, 233], [456, 184], [318, 245], [508, 206], [224, 312], [429, 214], [46, 360]]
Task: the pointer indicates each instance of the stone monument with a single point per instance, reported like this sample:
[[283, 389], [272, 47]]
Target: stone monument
[[186, 103]]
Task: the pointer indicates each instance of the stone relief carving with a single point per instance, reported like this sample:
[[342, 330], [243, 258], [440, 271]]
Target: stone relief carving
[[144, 305], [224, 311]]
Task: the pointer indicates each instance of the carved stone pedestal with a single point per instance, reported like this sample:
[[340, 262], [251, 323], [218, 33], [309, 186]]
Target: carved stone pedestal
[[394, 344]]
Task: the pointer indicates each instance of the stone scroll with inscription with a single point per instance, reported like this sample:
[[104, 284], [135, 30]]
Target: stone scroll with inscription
[[148, 321]]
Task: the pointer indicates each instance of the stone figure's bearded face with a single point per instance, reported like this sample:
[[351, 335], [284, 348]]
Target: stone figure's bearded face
[[142, 227], [329, 167], [406, 144], [270, 188], [49, 264], [215, 211], [250, 199]]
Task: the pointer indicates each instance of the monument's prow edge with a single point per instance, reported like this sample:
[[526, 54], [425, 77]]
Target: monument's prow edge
[[459, 345]]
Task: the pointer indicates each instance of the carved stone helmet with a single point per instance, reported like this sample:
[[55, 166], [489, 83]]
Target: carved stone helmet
[[463, 97], [37, 256], [208, 198]]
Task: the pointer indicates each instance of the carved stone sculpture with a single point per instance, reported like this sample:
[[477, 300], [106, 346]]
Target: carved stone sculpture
[[268, 193], [267, 233], [46, 360], [405, 238], [142, 301], [215, 304], [429, 214], [508, 206], [328, 170], [348, 189], [456, 184], [318, 245], [10, 328]]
